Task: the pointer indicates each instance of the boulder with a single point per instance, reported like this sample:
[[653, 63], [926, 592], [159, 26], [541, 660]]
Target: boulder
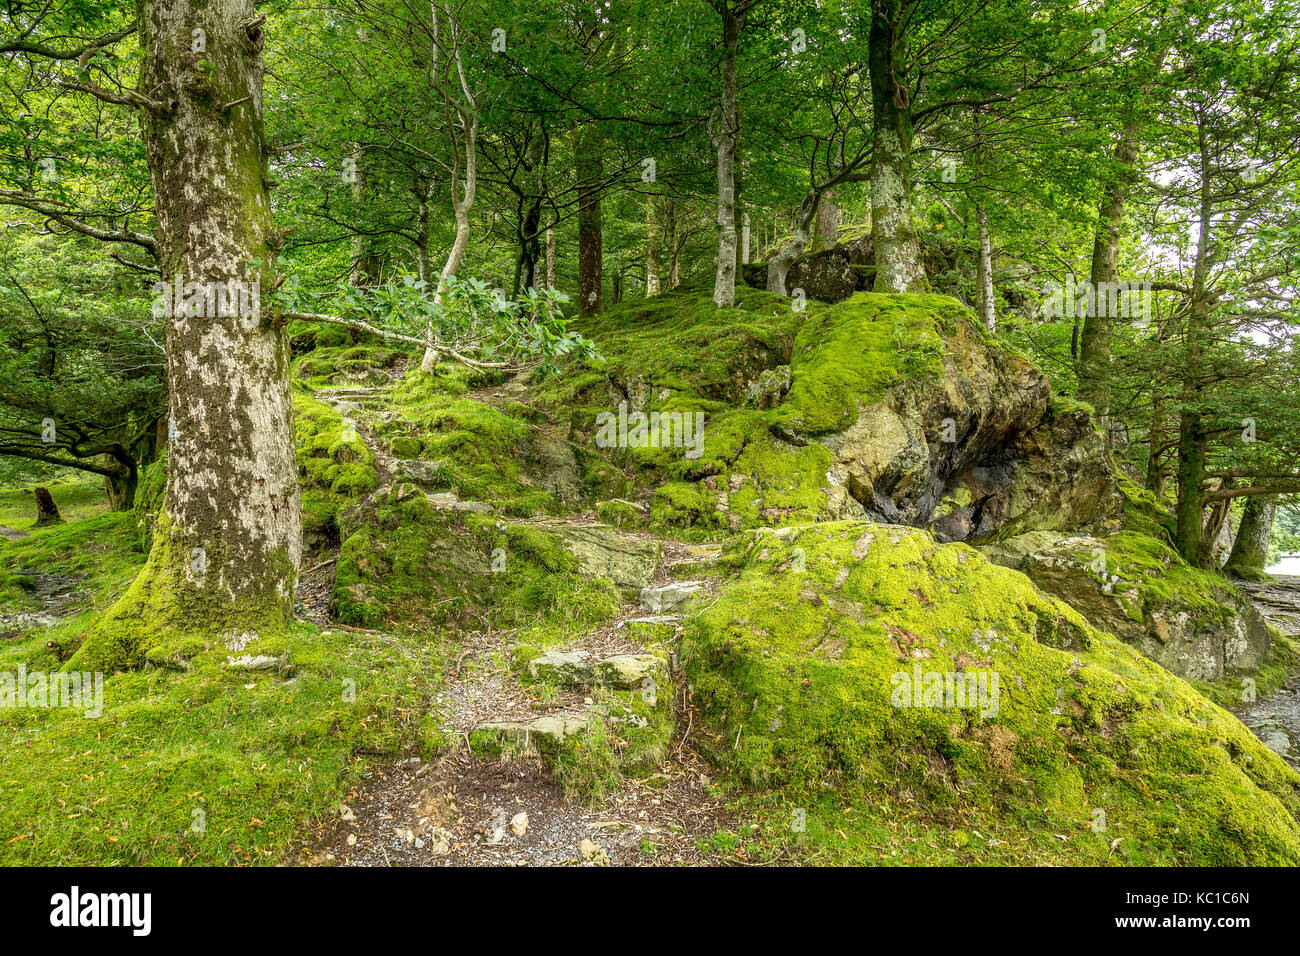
[[893, 664], [1193, 623], [972, 447], [624, 671], [669, 598], [602, 551], [416, 470]]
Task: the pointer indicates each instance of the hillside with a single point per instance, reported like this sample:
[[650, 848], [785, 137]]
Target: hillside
[[527, 632]]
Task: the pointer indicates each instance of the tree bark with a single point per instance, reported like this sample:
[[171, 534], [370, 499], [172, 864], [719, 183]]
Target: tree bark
[[47, 512], [985, 271], [727, 135], [893, 234], [651, 249], [1094, 342], [778, 267], [367, 264], [1250, 550], [670, 243], [226, 550], [550, 258], [588, 145], [464, 106], [828, 223]]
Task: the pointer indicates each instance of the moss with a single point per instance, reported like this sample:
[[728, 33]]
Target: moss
[[485, 453], [165, 602], [1142, 512], [331, 456], [794, 673], [620, 513], [846, 356], [364, 364], [265, 759], [680, 504], [150, 493], [404, 446], [630, 738], [412, 564]]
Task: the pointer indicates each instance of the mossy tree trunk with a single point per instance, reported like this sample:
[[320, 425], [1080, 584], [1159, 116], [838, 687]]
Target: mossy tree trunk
[[1095, 339], [588, 144], [225, 551], [726, 136], [893, 233], [1250, 550], [1193, 440], [47, 512]]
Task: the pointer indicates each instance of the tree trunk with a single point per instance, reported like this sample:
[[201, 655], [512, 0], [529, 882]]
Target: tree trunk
[[588, 145], [226, 549], [47, 512], [727, 135], [778, 267], [465, 107], [893, 234], [828, 223], [985, 271], [744, 239], [670, 243], [1155, 478], [550, 258], [1094, 343], [1250, 551], [120, 490], [367, 264], [422, 265], [651, 249], [1191, 490]]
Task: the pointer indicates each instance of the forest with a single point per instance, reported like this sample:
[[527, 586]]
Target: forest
[[621, 433]]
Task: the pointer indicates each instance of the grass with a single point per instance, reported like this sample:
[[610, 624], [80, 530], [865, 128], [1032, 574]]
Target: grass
[[77, 496], [251, 755]]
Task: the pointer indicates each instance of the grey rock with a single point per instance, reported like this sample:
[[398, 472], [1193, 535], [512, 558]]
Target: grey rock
[[669, 598]]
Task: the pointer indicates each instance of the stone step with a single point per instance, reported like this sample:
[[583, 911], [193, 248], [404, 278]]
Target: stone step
[[669, 598], [624, 671]]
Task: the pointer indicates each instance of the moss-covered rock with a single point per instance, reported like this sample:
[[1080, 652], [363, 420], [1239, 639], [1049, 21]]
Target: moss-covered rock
[[407, 562], [802, 670], [879, 407], [1192, 622]]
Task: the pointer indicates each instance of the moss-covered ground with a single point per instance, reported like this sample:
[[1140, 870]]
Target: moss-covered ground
[[1094, 755]]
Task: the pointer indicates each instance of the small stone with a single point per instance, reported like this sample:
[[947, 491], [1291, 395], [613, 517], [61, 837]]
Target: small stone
[[352, 839], [345, 812], [593, 853], [519, 823], [439, 842]]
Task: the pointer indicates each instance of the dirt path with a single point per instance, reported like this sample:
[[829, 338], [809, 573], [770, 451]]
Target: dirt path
[[465, 809], [12, 534], [1276, 718]]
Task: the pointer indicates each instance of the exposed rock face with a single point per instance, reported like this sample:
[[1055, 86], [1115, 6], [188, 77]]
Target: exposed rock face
[[975, 452], [831, 275], [1190, 622], [603, 552], [625, 671]]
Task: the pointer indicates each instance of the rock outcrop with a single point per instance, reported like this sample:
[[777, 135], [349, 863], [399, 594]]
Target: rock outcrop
[[1193, 623], [873, 660]]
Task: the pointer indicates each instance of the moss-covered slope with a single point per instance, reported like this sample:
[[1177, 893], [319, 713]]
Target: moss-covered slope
[[800, 666]]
